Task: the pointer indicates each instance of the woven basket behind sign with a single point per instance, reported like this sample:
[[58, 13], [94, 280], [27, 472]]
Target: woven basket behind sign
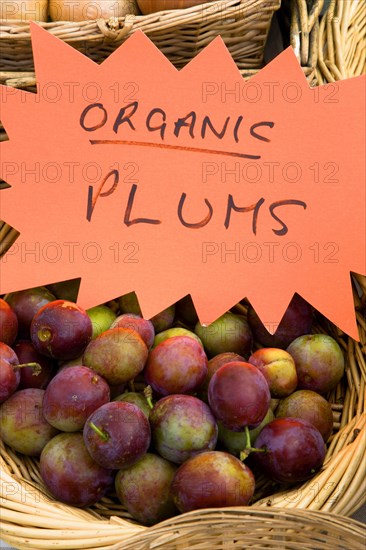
[[179, 34], [303, 517]]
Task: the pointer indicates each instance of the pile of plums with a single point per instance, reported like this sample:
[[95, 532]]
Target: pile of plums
[[167, 413]]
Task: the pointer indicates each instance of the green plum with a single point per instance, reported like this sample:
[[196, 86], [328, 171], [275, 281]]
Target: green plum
[[319, 362], [136, 399], [236, 442], [182, 426], [230, 332], [102, 318], [174, 331]]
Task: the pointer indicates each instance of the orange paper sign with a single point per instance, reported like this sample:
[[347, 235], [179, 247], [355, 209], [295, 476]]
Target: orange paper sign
[[136, 176]]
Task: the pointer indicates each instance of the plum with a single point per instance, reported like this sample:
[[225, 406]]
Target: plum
[[319, 362], [128, 303], [229, 332], [61, 330], [212, 366], [296, 321], [9, 373], [310, 406], [278, 368], [42, 370], [236, 442], [101, 317], [174, 331], [182, 426], [294, 450], [26, 303], [70, 473], [72, 395], [142, 326], [144, 489], [239, 396], [8, 323], [22, 424], [164, 319], [212, 479], [117, 435], [176, 365], [118, 354], [66, 290], [136, 399]]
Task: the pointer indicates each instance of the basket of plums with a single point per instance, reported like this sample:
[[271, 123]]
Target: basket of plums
[[111, 423]]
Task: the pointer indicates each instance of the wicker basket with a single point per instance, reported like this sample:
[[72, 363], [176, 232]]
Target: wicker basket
[[342, 41], [332, 47], [303, 517], [304, 34], [179, 34]]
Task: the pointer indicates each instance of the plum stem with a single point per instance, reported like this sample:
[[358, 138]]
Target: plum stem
[[148, 396], [100, 432], [37, 369], [248, 446]]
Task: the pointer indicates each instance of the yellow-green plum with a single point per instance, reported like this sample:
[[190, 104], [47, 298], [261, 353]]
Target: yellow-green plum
[[230, 332], [310, 406], [319, 362], [235, 442], [278, 368], [102, 318], [136, 399], [182, 426], [174, 331]]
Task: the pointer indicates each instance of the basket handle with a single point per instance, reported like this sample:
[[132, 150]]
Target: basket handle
[[111, 29]]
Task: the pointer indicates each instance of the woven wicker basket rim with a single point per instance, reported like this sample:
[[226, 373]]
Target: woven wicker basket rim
[[180, 34]]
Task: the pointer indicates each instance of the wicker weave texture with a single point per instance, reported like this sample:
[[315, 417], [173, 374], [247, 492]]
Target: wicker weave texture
[[179, 34]]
